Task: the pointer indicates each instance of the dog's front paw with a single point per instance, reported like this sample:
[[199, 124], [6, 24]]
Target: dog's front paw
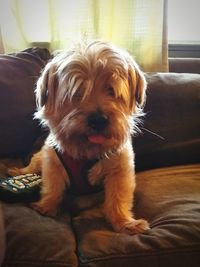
[[44, 208], [133, 226]]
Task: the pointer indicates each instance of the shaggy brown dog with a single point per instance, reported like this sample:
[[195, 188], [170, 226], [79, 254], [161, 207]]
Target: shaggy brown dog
[[89, 98]]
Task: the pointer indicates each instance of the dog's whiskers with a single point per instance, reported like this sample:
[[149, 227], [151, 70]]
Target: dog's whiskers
[[155, 134]]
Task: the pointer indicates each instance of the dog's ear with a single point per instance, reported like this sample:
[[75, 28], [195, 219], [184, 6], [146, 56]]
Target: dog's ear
[[46, 86], [137, 85]]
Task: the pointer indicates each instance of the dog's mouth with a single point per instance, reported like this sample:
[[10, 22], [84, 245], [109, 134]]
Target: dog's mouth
[[97, 139]]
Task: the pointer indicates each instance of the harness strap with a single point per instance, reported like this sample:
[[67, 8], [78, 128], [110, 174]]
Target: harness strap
[[77, 170]]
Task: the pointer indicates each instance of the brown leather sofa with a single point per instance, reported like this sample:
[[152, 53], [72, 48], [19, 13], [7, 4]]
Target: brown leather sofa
[[182, 65], [168, 180]]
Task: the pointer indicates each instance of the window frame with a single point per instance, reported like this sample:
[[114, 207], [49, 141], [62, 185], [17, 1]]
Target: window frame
[[184, 50]]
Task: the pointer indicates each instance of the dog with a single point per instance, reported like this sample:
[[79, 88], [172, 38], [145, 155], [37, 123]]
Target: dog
[[90, 98]]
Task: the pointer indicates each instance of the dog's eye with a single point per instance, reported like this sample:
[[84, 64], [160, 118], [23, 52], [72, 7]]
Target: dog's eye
[[110, 91]]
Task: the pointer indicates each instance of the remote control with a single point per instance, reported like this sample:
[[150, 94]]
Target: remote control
[[20, 188]]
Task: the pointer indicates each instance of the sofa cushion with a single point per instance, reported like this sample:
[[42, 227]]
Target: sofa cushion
[[18, 74], [169, 198], [172, 114], [36, 241]]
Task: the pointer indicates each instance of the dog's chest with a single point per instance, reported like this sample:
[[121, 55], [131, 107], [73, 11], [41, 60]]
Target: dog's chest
[[77, 170]]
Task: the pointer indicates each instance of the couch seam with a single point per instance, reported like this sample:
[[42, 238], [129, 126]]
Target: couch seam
[[76, 240]]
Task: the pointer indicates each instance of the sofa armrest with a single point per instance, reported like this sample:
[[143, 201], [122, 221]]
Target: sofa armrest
[[18, 75]]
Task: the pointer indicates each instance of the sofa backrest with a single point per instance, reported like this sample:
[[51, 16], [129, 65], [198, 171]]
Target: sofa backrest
[[173, 115]]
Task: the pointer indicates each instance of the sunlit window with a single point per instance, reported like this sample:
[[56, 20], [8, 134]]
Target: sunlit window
[[184, 21]]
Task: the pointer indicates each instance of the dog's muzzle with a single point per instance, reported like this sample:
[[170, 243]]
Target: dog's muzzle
[[97, 121]]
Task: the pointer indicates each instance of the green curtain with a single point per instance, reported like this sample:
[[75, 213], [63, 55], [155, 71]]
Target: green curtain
[[138, 26]]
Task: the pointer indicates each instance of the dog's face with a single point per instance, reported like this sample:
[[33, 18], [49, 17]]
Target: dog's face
[[88, 97]]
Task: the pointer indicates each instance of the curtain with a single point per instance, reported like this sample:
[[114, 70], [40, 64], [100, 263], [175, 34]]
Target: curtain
[[139, 26]]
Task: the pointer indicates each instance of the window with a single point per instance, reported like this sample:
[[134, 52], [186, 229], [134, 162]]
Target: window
[[184, 28]]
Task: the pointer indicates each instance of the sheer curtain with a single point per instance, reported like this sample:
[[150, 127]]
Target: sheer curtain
[[138, 26]]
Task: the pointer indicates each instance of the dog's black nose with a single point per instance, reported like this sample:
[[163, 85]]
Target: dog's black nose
[[97, 121]]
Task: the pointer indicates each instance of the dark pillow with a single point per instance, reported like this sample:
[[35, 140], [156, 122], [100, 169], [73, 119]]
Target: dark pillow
[[18, 75], [173, 115]]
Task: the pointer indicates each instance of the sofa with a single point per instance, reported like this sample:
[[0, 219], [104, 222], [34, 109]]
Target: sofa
[[167, 174]]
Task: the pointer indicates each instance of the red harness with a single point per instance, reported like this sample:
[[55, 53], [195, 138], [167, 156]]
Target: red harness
[[77, 170]]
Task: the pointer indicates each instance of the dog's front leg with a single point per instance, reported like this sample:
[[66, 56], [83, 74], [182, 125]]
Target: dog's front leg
[[54, 181], [33, 167], [119, 191]]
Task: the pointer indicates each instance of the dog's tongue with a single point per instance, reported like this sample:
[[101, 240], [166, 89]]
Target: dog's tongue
[[96, 138]]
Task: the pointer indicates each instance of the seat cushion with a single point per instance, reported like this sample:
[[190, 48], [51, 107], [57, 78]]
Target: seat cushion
[[169, 198], [33, 240]]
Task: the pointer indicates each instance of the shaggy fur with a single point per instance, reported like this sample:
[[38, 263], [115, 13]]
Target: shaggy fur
[[90, 98]]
